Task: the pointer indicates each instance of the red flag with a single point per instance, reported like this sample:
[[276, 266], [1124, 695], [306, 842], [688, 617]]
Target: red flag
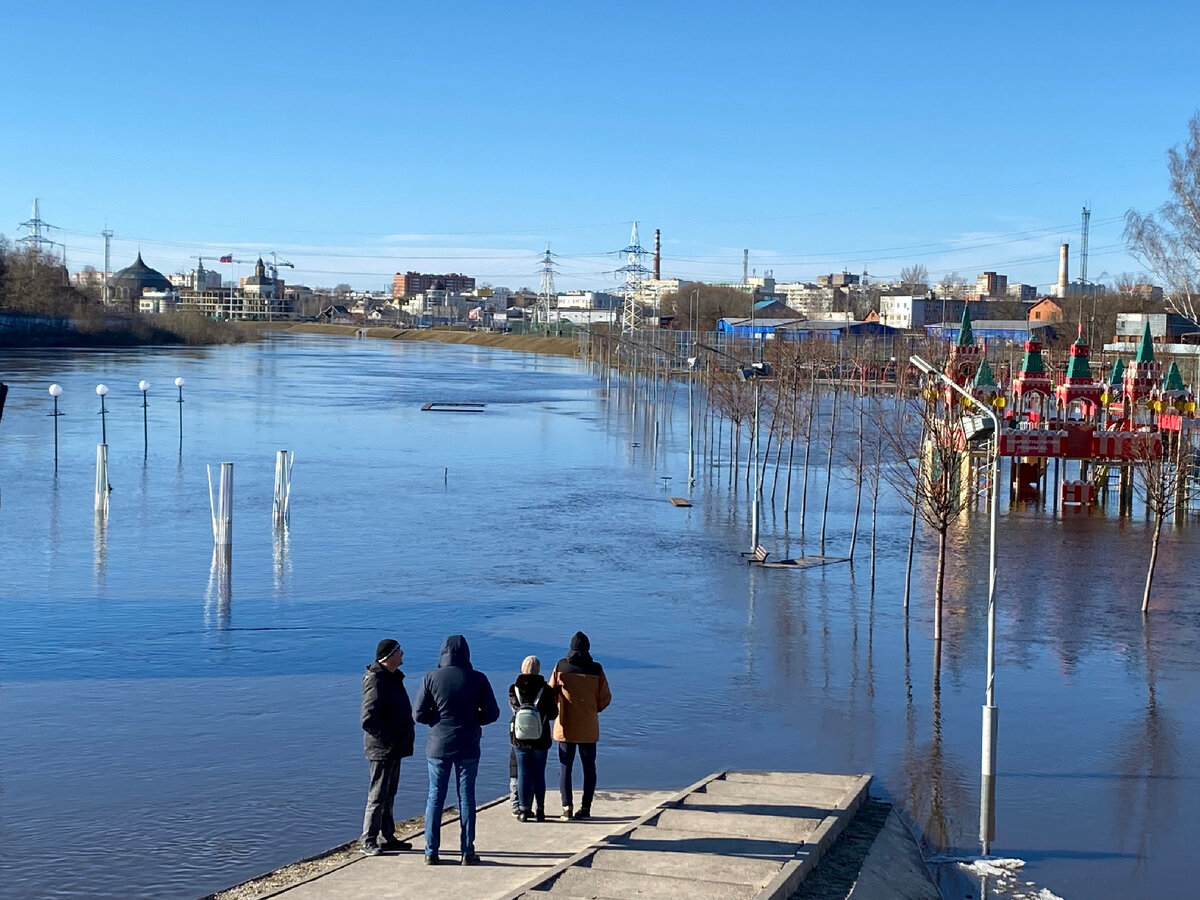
[[228, 257]]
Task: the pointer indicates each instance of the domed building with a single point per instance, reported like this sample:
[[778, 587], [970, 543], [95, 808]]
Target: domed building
[[131, 282]]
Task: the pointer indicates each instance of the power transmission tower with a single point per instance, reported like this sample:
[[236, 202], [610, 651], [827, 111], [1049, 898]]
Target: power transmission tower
[[35, 226], [546, 293], [1083, 246], [635, 273]]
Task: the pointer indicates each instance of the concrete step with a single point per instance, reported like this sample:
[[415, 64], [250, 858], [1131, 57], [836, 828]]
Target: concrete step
[[676, 864], [780, 828], [772, 793], [797, 779], [756, 806], [605, 884], [649, 837]]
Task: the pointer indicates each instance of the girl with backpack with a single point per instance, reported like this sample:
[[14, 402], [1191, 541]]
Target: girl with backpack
[[534, 704]]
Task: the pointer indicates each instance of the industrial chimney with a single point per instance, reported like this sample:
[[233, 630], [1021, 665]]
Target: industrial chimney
[[1063, 252], [657, 256]]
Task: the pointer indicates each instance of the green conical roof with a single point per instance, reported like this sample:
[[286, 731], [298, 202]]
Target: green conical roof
[[1145, 347], [1118, 372], [1033, 364], [966, 338], [1078, 366], [984, 378], [1173, 381]]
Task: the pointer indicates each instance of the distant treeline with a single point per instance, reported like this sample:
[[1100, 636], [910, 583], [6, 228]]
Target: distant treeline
[[39, 307]]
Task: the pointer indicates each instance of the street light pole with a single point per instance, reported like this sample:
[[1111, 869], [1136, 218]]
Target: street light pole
[[144, 386], [987, 788], [756, 486]]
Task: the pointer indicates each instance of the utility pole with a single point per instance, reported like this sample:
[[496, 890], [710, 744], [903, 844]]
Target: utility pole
[[745, 267]]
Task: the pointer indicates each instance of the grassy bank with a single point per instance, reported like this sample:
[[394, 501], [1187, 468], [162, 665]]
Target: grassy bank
[[89, 329], [525, 343]]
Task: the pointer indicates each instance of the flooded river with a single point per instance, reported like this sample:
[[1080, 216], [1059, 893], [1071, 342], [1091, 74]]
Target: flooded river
[[163, 737]]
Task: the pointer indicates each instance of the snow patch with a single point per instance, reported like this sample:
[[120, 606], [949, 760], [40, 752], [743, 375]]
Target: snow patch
[[1002, 874]]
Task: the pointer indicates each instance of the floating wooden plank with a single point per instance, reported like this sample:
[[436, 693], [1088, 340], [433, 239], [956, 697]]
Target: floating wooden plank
[[801, 562], [447, 406], [680, 501]]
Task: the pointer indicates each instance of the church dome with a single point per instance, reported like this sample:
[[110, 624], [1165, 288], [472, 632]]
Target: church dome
[[132, 280]]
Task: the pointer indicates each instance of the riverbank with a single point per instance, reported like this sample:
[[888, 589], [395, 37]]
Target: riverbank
[[524, 343], [90, 329]]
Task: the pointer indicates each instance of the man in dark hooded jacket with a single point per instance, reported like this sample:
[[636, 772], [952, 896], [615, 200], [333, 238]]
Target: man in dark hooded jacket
[[455, 701], [387, 738], [583, 694]]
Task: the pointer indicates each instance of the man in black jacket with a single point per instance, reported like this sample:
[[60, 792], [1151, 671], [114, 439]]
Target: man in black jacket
[[387, 738], [455, 701]]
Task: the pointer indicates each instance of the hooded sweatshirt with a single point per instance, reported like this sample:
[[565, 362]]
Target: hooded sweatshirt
[[583, 693], [455, 701]]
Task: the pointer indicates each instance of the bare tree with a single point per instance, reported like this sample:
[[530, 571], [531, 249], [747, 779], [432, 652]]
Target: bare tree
[[1160, 479], [924, 436], [951, 285], [915, 278], [1168, 241]]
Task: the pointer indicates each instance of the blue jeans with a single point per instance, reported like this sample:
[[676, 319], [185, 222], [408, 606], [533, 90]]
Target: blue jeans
[[531, 778], [439, 784]]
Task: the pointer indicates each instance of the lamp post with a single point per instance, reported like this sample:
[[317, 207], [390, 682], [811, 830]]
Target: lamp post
[[102, 390], [55, 392], [179, 382], [987, 789], [144, 386], [692, 365]]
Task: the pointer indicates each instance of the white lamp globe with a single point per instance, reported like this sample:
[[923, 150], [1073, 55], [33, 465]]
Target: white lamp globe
[[56, 390], [102, 389], [143, 385], [179, 381]]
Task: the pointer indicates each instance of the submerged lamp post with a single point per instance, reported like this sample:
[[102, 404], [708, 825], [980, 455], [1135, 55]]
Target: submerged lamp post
[[755, 372], [179, 384], [102, 390], [56, 392], [692, 366], [987, 788], [144, 386]]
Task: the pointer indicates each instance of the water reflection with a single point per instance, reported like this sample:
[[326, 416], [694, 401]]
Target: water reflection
[[219, 594], [100, 549], [281, 560], [1148, 757]]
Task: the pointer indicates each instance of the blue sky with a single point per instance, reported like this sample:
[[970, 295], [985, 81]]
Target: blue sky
[[366, 138]]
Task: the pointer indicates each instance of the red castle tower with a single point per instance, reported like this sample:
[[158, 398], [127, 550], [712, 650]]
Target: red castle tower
[[1078, 384]]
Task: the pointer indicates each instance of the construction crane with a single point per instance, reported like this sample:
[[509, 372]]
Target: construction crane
[[276, 264]]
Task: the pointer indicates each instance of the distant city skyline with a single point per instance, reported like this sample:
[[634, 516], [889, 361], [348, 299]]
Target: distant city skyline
[[358, 146]]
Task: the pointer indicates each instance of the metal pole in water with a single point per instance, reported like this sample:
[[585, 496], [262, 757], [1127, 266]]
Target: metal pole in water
[[283, 486], [55, 392], [102, 389], [144, 386], [222, 509], [179, 384], [102, 486]]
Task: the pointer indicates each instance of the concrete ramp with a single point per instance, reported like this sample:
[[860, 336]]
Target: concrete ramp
[[731, 836]]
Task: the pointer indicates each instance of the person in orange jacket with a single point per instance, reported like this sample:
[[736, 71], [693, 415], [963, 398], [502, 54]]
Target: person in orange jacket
[[583, 694]]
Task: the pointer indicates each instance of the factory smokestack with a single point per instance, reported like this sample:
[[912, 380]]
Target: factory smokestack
[[1063, 253], [657, 256]]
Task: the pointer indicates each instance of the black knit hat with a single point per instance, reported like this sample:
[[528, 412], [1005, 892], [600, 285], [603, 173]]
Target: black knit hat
[[386, 648]]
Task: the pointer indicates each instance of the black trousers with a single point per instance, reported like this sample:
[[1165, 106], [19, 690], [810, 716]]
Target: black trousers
[[566, 761], [378, 821]]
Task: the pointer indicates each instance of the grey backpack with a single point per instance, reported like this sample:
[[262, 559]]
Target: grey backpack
[[527, 722]]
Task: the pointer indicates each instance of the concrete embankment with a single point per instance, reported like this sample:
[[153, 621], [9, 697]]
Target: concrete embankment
[[525, 343], [730, 836]]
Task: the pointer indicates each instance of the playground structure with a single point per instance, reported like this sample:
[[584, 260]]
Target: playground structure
[[1137, 416]]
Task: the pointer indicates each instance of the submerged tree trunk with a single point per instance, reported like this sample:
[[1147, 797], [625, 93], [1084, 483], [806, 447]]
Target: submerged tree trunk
[[912, 540], [858, 486], [941, 580], [1158, 524], [812, 415], [829, 465]]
